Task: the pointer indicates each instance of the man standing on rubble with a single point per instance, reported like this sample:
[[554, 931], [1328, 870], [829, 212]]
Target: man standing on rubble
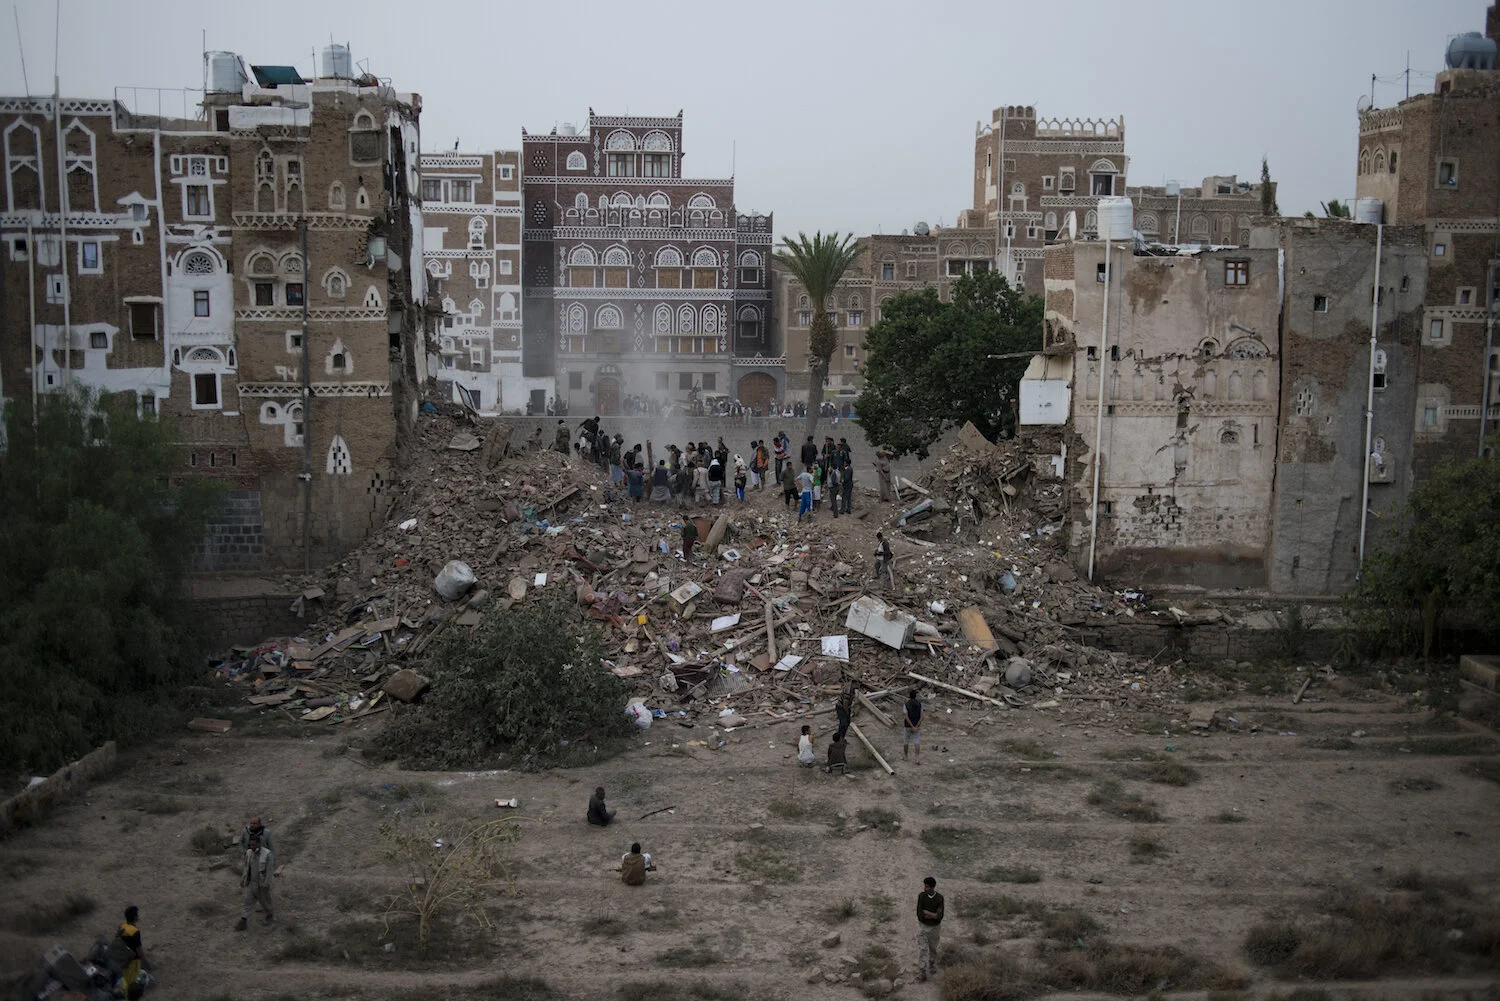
[[805, 484], [788, 485], [883, 559], [661, 491], [689, 538], [781, 454], [883, 473], [562, 437], [846, 475]]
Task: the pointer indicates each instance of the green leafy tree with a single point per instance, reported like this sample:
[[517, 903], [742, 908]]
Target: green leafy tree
[[929, 366], [1268, 204], [1335, 209], [819, 264], [94, 542], [1448, 557], [528, 684]]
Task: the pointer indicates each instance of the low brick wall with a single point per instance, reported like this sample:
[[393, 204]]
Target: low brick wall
[[30, 805], [1210, 643], [245, 619]]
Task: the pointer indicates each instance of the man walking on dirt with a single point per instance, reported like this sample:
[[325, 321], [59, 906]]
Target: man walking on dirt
[[260, 866], [929, 921]]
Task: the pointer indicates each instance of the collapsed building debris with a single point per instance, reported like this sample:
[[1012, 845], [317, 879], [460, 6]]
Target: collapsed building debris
[[770, 619]]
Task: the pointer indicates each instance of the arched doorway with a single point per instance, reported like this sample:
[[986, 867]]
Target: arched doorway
[[757, 390], [607, 396]]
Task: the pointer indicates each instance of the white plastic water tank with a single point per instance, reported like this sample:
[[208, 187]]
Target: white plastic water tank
[[225, 75], [337, 62], [567, 129], [1116, 218], [1369, 210]]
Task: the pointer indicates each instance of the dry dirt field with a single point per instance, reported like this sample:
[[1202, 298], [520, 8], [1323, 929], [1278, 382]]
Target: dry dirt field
[[1072, 841]]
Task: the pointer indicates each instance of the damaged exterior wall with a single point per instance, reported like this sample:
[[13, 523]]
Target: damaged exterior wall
[[1190, 393], [1326, 369]]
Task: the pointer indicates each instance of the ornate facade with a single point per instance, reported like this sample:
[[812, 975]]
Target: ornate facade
[[183, 284], [638, 280], [471, 248]]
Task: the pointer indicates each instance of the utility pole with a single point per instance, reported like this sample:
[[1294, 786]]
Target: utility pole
[[306, 412], [62, 231]]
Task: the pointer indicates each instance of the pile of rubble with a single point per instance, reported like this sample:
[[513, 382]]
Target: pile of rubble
[[770, 618], [979, 480]]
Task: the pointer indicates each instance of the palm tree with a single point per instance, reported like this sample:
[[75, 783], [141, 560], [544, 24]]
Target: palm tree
[[1336, 209], [819, 264]]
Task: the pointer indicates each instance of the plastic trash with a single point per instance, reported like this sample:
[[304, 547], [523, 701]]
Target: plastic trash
[[408, 525], [1008, 582], [454, 580], [638, 712], [512, 803]]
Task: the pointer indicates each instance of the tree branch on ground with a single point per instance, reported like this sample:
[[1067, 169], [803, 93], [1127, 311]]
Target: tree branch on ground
[[442, 878]]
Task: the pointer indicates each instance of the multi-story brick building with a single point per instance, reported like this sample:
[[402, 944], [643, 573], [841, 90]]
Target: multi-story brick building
[[638, 280], [1434, 160], [888, 265], [1220, 212], [1031, 175], [471, 248], [253, 271]]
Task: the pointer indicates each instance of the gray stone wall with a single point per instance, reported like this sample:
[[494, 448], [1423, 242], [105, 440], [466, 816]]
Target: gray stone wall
[[233, 539]]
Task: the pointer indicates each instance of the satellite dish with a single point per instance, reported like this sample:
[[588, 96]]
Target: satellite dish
[[1363, 104]]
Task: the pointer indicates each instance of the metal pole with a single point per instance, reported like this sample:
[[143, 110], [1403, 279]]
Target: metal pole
[[1364, 506], [1487, 372], [36, 374], [1000, 200], [1177, 226], [1099, 418], [62, 230], [306, 413]]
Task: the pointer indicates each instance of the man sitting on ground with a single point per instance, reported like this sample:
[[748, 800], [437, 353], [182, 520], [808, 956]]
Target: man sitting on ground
[[634, 865], [836, 758], [598, 815]]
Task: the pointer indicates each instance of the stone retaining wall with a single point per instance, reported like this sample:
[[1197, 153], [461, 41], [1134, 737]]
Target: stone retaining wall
[[29, 805]]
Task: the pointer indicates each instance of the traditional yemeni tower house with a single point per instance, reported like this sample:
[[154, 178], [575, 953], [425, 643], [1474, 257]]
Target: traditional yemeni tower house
[[1031, 175], [173, 273], [471, 248], [631, 270]]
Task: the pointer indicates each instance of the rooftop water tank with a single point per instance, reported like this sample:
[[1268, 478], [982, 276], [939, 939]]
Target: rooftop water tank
[[1369, 210], [1471, 51], [1116, 218], [337, 62], [567, 129], [226, 75]]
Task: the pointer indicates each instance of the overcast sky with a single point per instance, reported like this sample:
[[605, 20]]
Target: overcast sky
[[856, 116]]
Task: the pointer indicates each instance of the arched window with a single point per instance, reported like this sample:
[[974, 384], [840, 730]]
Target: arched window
[[1364, 161], [749, 314], [339, 463], [581, 202], [802, 301], [1049, 221], [336, 198], [577, 319], [705, 257], [1258, 385], [749, 259], [198, 264], [855, 302], [700, 201], [662, 324], [1091, 220], [1198, 228], [659, 201], [507, 306], [686, 320], [335, 283], [476, 233], [1207, 349], [608, 318], [711, 320], [657, 142], [617, 257], [1146, 222], [669, 257], [25, 184], [620, 141], [1246, 347], [581, 257], [577, 161], [1234, 385], [262, 264], [364, 139]]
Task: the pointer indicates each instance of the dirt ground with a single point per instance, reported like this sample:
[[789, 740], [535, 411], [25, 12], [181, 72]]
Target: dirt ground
[[761, 860]]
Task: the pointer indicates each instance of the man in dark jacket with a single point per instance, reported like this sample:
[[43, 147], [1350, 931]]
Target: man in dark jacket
[[598, 815], [809, 451]]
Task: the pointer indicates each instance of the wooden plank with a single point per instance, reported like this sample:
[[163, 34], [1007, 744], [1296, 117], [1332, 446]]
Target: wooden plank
[[976, 630], [203, 725], [954, 688], [1305, 682], [875, 711], [854, 729], [771, 634]]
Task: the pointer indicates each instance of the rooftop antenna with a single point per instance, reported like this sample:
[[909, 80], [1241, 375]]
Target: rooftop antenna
[[16, 10]]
